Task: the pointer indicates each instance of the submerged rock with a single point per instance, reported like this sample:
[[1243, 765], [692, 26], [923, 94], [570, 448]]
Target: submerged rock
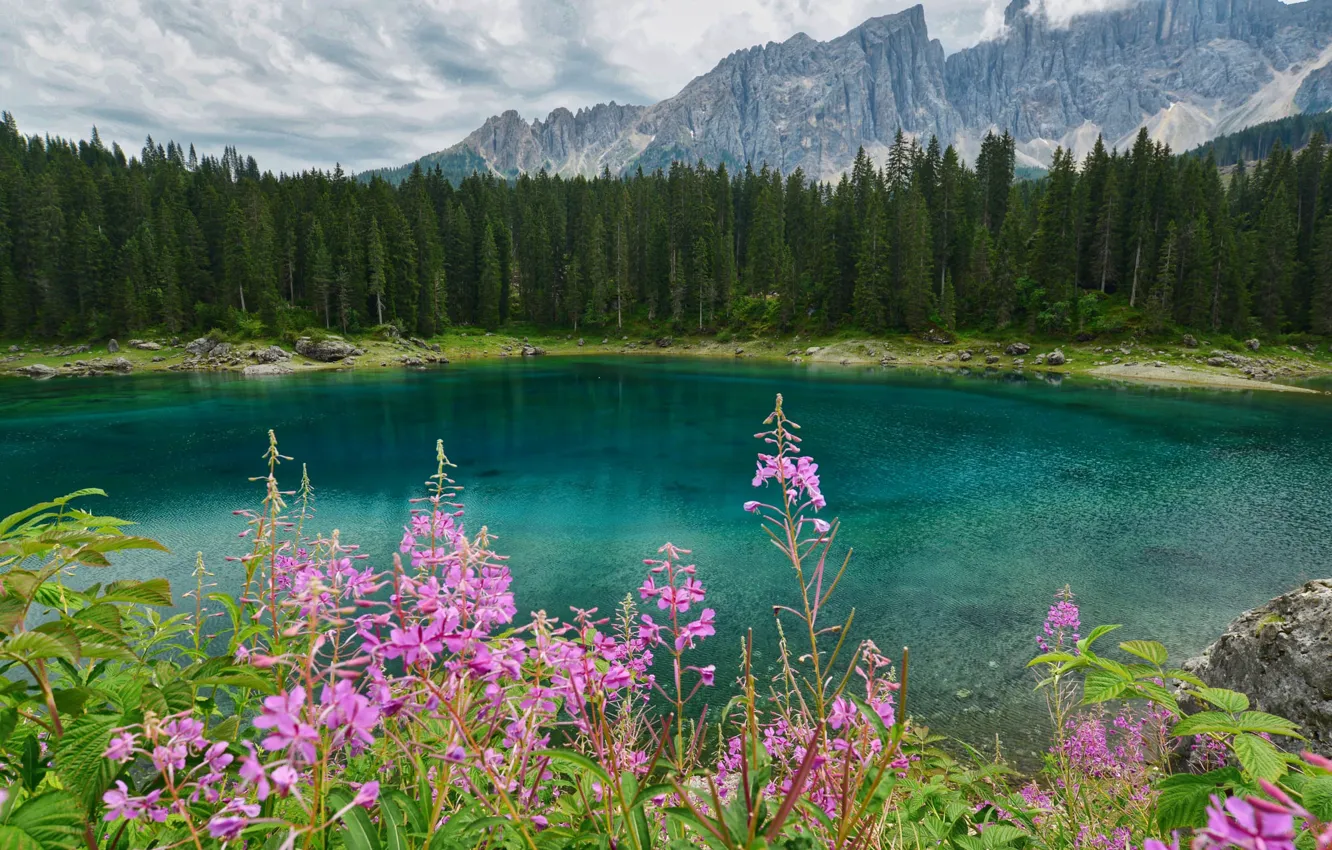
[[1278, 654]]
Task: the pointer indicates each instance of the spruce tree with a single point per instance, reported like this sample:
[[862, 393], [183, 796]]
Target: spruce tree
[[488, 309]]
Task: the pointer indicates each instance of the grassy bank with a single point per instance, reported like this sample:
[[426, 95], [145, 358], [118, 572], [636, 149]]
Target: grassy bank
[[1217, 362]]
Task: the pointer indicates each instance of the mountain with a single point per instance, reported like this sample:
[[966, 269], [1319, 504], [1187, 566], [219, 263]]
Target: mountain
[[1187, 70]]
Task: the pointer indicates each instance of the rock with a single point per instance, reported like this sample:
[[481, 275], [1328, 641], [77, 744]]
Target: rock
[[1158, 364], [158, 359], [39, 370], [963, 694], [272, 354], [605, 340], [1016, 348], [937, 336], [1040, 359], [1217, 361], [992, 358], [120, 364], [1116, 361], [1056, 358], [532, 351], [14, 349], [222, 349], [1190, 341], [964, 356], [581, 343], [1252, 344], [145, 346], [113, 346], [328, 350], [739, 351], [262, 369], [412, 361], [1278, 654], [811, 351], [200, 347], [665, 342]]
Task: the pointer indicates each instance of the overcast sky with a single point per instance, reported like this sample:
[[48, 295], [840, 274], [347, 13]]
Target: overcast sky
[[308, 83]]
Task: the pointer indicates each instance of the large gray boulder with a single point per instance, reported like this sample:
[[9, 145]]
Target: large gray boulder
[[200, 347], [1015, 349], [1056, 358], [120, 364], [1280, 655], [272, 354], [328, 350]]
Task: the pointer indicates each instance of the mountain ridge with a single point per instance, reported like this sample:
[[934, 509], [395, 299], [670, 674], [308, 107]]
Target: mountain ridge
[[1187, 70]]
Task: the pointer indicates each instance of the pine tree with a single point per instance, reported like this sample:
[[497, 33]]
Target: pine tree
[[1162, 290], [873, 269], [948, 304], [375, 283], [488, 315]]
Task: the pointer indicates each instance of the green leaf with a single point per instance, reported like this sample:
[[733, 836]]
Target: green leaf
[[357, 832], [154, 591], [579, 760], [1102, 686], [1052, 658], [1096, 634], [1001, 835], [415, 822], [1317, 797], [49, 821], [395, 825], [1258, 721], [78, 757], [1182, 803], [1186, 677], [1148, 650], [34, 645], [1259, 757], [11, 522], [1231, 701], [1206, 723]]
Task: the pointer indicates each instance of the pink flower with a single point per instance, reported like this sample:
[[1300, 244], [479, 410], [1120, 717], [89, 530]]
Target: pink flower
[[252, 773], [367, 794], [284, 778], [119, 804], [708, 674], [843, 713], [1252, 824], [282, 714], [227, 827], [751, 507], [700, 628], [121, 748]]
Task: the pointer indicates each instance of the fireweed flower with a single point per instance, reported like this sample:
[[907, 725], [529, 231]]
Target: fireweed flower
[[1061, 624], [1252, 824], [121, 748], [282, 714]]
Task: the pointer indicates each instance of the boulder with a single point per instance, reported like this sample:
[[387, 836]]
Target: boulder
[[144, 345], [113, 346], [811, 351], [665, 342], [272, 354], [327, 350], [14, 349], [38, 370], [262, 369], [581, 342], [532, 351], [1016, 348], [1217, 361], [1056, 358], [1278, 654], [992, 358], [200, 347], [937, 336], [1253, 344], [964, 356], [120, 364], [1190, 341]]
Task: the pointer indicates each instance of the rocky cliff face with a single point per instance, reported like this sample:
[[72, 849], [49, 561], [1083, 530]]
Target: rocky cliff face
[[1187, 70]]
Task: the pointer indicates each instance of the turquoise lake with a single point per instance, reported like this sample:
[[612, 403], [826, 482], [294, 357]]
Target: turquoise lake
[[968, 500]]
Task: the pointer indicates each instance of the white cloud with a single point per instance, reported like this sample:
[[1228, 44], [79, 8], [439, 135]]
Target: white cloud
[[302, 83], [1060, 13]]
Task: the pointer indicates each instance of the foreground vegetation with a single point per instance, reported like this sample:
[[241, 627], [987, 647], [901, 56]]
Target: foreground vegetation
[[96, 244], [307, 695]]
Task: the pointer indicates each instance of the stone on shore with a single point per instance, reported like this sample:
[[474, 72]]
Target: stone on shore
[[1280, 655], [328, 350], [262, 369]]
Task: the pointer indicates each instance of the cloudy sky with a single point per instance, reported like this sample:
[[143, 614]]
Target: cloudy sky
[[301, 83]]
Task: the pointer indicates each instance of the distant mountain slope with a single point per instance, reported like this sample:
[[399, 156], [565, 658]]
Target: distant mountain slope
[[1187, 70]]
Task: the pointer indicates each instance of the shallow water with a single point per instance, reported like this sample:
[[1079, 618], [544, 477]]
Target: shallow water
[[968, 500]]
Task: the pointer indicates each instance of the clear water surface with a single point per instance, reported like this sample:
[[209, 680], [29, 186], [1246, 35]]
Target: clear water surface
[[968, 500]]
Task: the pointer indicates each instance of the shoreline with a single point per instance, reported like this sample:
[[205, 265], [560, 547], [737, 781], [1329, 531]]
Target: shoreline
[[1148, 364]]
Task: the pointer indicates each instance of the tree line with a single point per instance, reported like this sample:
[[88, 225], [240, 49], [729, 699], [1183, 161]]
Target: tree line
[[95, 243]]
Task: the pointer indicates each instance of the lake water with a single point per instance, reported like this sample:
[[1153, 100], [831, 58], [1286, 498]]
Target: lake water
[[968, 500]]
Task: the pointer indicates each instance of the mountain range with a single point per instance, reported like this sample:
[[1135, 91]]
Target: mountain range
[[1187, 70]]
